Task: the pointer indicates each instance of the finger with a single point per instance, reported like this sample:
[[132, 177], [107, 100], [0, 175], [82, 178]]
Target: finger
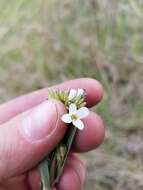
[[92, 135], [14, 183], [27, 138], [73, 175], [21, 104], [34, 179]]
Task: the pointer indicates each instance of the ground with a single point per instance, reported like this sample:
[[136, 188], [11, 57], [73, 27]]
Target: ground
[[46, 42]]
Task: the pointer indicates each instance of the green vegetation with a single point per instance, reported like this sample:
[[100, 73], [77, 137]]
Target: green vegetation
[[46, 42]]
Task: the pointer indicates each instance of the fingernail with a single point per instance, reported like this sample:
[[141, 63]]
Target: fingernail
[[40, 121]]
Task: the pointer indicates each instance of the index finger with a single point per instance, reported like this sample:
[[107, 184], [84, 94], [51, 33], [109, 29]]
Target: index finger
[[21, 104]]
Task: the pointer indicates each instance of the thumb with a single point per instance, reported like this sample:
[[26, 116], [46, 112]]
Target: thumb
[[26, 139]]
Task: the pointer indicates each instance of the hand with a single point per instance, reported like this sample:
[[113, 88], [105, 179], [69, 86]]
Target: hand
[[31, 127]]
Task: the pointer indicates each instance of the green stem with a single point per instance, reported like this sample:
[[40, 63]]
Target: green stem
[[45, 177]]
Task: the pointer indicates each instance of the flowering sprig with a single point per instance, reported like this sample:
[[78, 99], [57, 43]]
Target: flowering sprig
[[52, 166]]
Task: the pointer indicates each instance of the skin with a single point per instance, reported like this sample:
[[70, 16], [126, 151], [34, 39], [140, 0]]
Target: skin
[[18, 171]]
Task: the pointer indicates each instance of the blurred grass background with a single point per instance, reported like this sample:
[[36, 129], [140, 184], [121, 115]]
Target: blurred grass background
[[47, 42]]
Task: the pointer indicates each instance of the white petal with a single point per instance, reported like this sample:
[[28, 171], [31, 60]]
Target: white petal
[[79, 124], [80, 92], [82, 112], [72, 94], [66, 118], [72, 109]]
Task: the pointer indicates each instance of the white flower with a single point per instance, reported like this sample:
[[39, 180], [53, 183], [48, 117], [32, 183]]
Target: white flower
[[75, 93], [75, 115]]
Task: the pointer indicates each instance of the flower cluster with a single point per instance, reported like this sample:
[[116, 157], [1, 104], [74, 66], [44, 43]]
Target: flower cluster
[[74, 114]]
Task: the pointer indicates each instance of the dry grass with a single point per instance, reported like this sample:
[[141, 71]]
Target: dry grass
[[45, 42]]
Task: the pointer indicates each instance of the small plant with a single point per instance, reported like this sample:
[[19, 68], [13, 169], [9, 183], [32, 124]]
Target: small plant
[[52, 166]]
